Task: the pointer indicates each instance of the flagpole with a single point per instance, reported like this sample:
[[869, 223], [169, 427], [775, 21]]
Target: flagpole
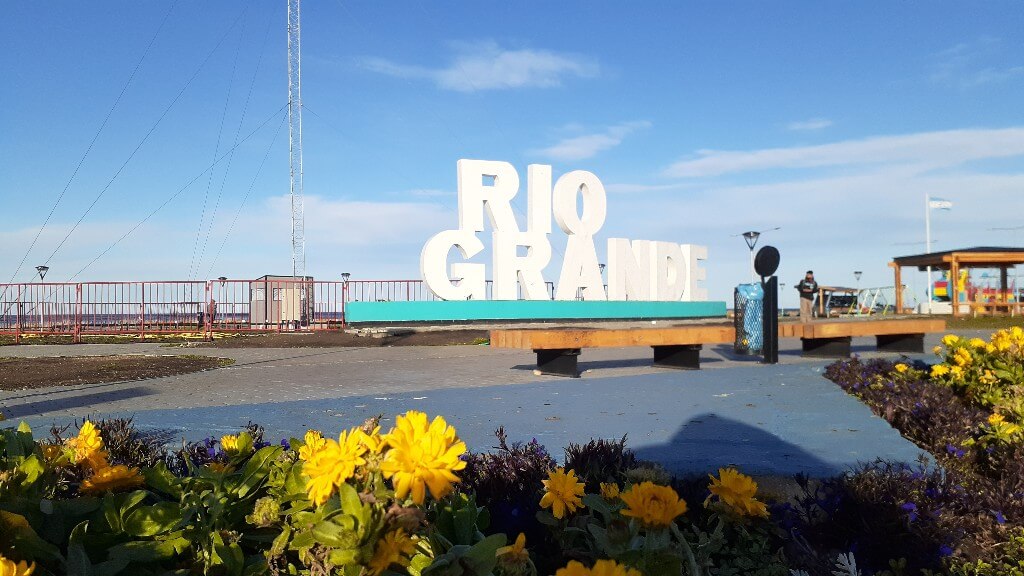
[[928, 244]]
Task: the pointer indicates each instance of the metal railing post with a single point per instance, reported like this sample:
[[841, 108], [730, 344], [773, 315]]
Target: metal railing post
[[17, 317], [142, 312], [78, 313]]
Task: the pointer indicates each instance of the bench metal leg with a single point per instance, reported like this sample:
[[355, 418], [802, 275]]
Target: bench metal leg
[[827, 347], [560, 362], [682, 357], [912, 343]]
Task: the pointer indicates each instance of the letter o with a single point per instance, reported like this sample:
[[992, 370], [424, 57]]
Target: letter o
[[595, 203]]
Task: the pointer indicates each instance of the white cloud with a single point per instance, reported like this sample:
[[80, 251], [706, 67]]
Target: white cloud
[[973, 64], [487, 66], [927, 149], [589, 145], [809, 125]]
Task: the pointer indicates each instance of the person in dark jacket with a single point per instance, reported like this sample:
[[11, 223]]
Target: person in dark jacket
[[807, 288]]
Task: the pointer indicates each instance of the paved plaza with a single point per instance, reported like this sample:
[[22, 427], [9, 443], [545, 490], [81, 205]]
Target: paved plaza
[[766, 419]]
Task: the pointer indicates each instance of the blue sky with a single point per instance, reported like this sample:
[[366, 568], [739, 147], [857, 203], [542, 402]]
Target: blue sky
[[831, 120]]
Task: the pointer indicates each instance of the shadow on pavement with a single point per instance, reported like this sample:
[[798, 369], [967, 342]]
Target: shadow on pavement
[[71, 402], [707, 442]]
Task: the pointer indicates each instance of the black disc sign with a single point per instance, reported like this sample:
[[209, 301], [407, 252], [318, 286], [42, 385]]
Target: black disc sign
[[767, 261]]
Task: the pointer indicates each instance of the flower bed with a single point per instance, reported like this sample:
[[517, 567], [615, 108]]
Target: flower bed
[[967, 412], [412, 500]]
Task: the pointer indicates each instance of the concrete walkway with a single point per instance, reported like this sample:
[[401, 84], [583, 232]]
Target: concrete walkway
[[766, 419]]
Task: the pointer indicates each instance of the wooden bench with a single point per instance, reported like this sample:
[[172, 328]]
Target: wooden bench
[[558, 349], [833, 339]]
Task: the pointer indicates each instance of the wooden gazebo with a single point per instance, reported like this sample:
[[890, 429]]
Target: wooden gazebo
[[955, 260]]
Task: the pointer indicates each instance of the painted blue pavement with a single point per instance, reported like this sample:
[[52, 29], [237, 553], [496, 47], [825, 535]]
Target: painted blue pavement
[[535, 310], [779, 419]]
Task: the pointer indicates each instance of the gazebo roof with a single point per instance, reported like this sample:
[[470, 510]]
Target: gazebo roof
[[976, 257]]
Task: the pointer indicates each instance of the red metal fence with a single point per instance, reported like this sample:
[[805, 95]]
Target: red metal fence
[[200, 307]]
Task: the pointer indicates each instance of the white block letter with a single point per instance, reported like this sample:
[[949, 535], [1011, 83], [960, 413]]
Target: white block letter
[[474, 196], [629, 269], [470, 284], [595, 203], [668, 272], [538, 197], [692, 255], [580, 270], [510, 268]]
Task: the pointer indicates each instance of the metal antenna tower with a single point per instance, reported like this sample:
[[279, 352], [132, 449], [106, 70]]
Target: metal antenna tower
[[295, 140]]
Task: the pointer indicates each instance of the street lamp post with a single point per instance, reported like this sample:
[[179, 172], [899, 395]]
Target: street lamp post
[[42, 270], [750, 237]]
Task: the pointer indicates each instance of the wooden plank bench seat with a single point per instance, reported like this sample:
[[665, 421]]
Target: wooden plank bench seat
[[558, 349], [833, 339]]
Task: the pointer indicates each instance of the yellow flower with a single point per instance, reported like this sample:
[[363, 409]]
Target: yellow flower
[[515, 553], [956, 372], [9, 568], [950, 339], [422, 456], [962, 357], [394, 548], [312, 443], [901, 368], [996, 419], [990, 349], [88, 447], [373, 440], [655, 506], [937, 350], [112, 478], [738, 491], [601, 568], [939, 370], [977, 343], [229, 443], [562, 492], [333, 464], [609, 491]]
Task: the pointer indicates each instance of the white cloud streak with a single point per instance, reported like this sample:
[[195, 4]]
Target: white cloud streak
[[809, 125], [590, 145], [926, 149], [487, 66], [974, 64]]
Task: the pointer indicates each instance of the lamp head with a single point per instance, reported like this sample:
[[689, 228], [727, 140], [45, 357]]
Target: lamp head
[[751, 238]]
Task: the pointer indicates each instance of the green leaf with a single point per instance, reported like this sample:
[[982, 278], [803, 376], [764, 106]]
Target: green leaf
[[230, 555], [32, 468], [483, 556], [78, 562], [257, 469], [149, 550], [110, 567], [159, 478], [337, 532], [350, 502], [344, 557], [153, 520]]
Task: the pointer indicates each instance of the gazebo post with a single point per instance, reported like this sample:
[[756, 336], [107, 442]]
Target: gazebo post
[[1003, 296], [953, 285], [897, 271]]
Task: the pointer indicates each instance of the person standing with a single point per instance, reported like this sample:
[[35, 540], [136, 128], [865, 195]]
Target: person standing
[[807, 288]]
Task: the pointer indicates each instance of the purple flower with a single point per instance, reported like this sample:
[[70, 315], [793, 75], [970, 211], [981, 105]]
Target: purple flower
[[911, 509], [286, 444], [1000, 519], [957, 452], [945, 551]]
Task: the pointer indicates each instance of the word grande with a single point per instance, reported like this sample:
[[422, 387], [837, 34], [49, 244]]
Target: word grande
[[637, 269]]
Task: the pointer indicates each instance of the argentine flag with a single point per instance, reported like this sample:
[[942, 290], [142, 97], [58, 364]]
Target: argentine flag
[[940, 204]]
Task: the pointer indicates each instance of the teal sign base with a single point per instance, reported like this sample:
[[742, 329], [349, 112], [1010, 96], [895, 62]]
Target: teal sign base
[[524, 310]]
